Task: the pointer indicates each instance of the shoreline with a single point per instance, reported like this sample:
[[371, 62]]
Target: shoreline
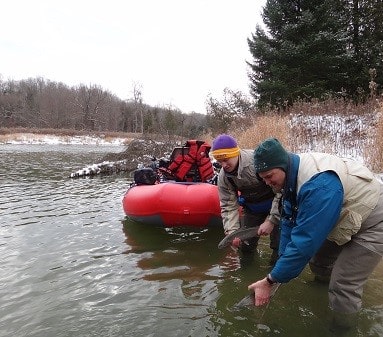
[[29, 138]]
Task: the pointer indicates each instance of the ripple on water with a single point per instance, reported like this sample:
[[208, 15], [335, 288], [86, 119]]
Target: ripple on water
[[71, 267]]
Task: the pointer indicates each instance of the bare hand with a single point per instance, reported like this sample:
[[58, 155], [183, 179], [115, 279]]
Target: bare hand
[[262, 292], [236, 242], [265, 228]]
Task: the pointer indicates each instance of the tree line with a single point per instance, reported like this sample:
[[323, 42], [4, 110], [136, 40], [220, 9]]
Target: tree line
[[308, 50], [41, 103]]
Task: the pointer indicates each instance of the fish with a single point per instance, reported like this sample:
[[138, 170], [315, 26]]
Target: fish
[[242, 233], [249, 300]]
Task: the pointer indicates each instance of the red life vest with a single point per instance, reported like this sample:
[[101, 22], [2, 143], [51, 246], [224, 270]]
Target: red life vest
[[196, 158]]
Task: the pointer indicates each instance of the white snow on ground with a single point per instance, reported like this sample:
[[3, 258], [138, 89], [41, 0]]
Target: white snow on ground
[[104, 167], [29, 138], [346, 136]]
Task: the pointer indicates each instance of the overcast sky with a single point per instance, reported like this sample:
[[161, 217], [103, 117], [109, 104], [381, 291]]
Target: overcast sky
[[177, 51]]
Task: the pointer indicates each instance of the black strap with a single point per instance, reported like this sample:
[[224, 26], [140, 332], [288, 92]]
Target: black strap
[[232, 183]]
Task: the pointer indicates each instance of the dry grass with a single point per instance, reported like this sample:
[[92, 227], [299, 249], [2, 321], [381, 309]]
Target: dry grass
[[373, 151], [256, 130], [264, 127], [333, 106], [333, 126]]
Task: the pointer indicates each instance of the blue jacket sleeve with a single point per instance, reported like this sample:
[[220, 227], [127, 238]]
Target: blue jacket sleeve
[[319, 204]]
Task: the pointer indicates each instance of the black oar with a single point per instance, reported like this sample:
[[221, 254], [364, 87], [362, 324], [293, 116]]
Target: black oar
[[243, 234]]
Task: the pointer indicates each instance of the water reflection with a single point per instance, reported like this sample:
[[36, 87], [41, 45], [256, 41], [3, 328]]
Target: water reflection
[[175, 253], [216, 280]]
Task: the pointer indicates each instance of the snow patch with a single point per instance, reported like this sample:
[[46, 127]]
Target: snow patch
[[31, 139]]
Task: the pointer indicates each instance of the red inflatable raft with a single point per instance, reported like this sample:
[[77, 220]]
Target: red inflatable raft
[[174, 204]]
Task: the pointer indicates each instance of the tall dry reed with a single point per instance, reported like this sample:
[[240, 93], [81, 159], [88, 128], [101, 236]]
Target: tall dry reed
[[373, 151], [334, 126], [264, 127]]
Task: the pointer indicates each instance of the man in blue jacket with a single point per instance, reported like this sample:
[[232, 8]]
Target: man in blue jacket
[[331, 217]]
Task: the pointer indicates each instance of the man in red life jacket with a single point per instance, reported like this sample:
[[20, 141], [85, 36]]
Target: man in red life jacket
[[238, 185]]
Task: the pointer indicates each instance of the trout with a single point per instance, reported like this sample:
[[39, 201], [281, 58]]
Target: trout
[[242, 233], [249, 300]]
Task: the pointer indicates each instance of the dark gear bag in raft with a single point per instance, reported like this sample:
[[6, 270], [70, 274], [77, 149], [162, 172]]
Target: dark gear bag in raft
[[145, 176]]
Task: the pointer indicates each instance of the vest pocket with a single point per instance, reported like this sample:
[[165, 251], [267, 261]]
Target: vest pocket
[[348, 224]]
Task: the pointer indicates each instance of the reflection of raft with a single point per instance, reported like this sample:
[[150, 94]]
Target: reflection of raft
[[174, 204]]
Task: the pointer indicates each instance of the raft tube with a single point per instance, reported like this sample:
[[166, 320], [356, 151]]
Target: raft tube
[[173, 204]]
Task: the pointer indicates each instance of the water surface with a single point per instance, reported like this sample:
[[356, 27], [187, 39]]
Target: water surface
[[73, 265]]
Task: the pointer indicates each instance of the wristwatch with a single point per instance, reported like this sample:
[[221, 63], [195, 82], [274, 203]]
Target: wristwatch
[[270, 280]]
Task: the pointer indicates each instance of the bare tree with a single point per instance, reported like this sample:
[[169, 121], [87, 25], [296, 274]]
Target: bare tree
[[90, 100], [42, 103], [139, 116]]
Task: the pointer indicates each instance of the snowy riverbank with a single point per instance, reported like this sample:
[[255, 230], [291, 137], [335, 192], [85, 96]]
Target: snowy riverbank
[[31, 138]]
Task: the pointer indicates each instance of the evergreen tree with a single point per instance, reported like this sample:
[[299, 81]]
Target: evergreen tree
[[365, 41], [303, 54]]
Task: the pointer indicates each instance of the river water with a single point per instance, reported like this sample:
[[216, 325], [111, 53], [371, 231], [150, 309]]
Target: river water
[[73, 265]]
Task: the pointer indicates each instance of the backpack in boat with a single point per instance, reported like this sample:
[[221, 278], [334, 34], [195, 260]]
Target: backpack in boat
[[191, 162], [144, 176]]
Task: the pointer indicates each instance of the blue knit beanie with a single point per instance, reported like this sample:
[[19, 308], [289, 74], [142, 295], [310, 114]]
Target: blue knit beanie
[[270, 154], [224, 147]]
